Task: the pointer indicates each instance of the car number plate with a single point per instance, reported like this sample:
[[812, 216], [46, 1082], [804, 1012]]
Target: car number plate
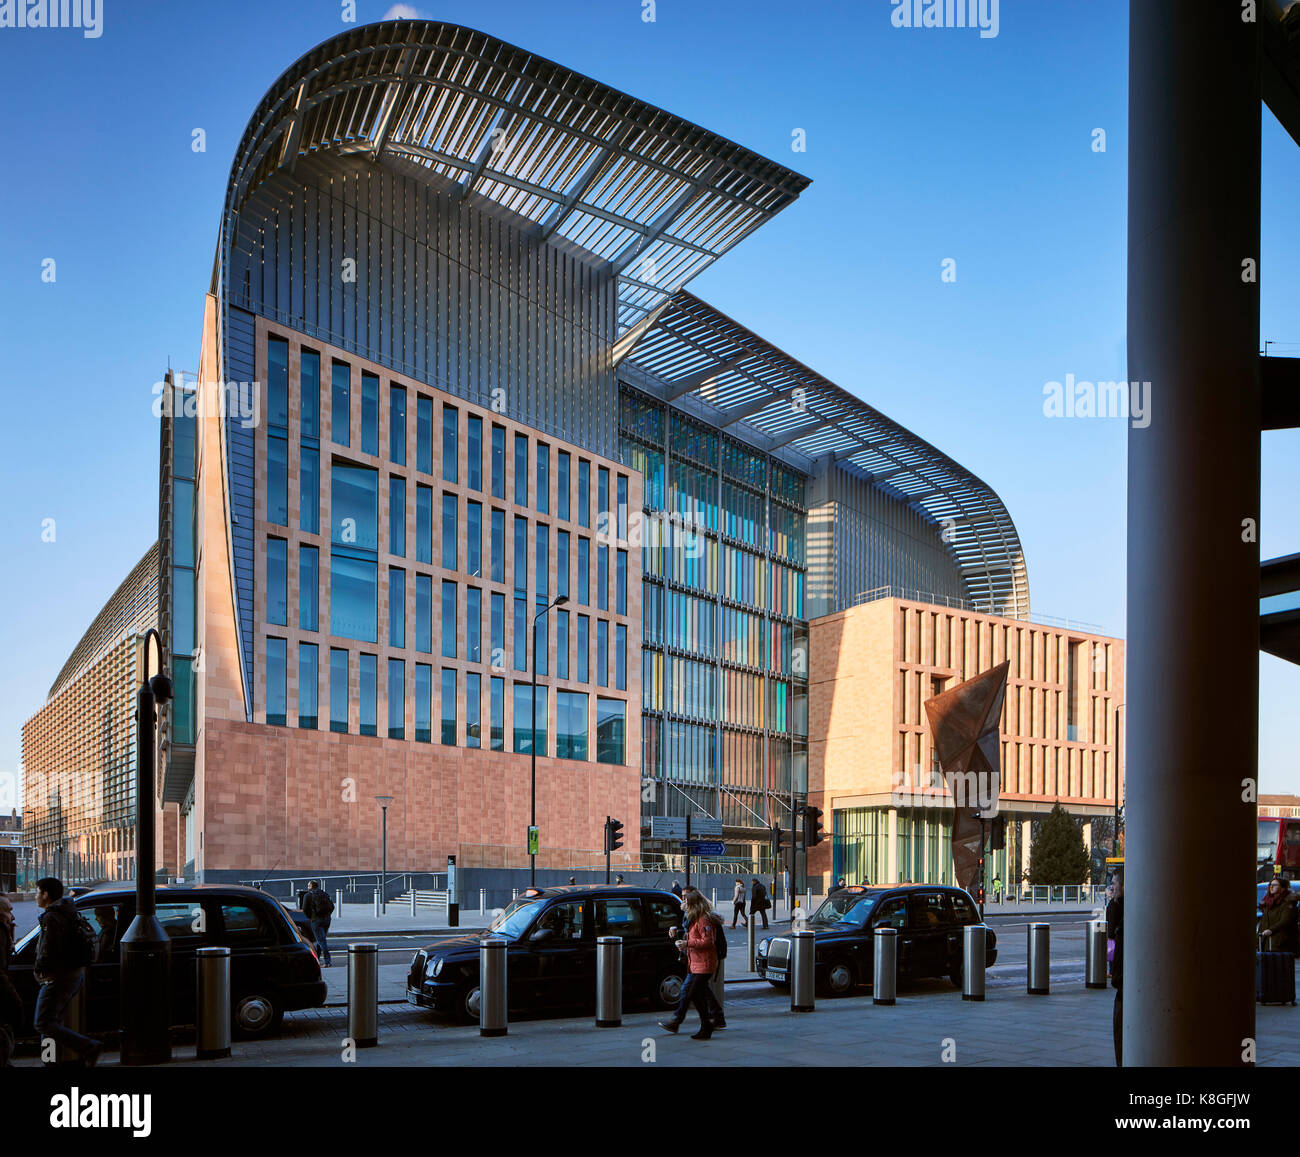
[[776, 973]]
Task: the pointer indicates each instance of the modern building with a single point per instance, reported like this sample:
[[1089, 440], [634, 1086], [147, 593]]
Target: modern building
[[873, 770], [79, 749]]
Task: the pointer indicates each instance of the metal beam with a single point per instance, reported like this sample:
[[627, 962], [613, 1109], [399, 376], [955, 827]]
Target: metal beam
[[1280, 399], [659, 225], [395, 96]]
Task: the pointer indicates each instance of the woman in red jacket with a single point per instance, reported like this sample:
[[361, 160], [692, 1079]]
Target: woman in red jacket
[[702, 957]]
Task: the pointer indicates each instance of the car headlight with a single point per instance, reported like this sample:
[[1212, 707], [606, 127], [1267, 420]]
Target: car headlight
[[435, 966], [762, 947]]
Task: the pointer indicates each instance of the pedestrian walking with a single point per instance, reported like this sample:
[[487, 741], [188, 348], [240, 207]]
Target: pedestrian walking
[[11, 1007], [573, 879], [738, 903], [64, 948], [618, 880], [1115, 933], [676, 889], [758, 902], [318, 908], [997, 889], [700, 943], [716, 1014], [1277, 922]]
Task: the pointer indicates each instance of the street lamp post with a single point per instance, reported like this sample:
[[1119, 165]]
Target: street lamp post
[[145, 948], [1114, 843], [384, 801], [560, 600]]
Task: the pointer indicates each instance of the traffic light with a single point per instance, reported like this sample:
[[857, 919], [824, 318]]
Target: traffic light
[[812, 826], [776, 841], [613, 835], [997, 833]]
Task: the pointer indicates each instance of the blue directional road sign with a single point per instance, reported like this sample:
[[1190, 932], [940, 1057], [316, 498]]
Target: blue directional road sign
[[704, 848]]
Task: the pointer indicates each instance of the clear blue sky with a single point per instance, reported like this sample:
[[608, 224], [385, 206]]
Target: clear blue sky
[[922, 145]]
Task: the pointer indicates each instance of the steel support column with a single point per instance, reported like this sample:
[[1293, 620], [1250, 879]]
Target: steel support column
[[1193, 561]]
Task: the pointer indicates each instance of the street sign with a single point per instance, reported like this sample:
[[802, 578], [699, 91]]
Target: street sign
[[674, 827], [532, 841], [704, 847]]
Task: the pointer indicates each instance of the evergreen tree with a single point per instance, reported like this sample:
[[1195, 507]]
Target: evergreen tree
[[1057, 855]]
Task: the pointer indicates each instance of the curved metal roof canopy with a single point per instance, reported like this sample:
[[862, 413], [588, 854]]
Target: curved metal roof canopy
[[747, 386], [654, 196]]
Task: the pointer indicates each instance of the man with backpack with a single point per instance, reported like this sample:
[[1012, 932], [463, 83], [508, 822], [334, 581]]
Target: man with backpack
[[65, 948], [318, 907]]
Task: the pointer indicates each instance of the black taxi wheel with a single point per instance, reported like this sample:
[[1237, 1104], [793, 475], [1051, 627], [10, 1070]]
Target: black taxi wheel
[[468, 1002], [667, 991], [256, 1016], [841, 978]]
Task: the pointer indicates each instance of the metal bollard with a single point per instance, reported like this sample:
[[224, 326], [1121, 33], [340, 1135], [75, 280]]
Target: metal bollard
[[376, 903], [514, 894], [750, 949], [803, 955], [482, 901], [1094, 969], [338, 903], [807, 902], [609, 981], [363, 995], [715, 897], [1040, 959], [885, 982], [492, 1016], [212, 1027], [717, 982], [974, 955], [75, 1019], [413, 902]]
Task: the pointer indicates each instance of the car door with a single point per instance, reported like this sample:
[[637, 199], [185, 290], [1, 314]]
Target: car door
[[929, 924], [104, 976], [562, 959], [244, 926], [189, 923], [624, 917], [891, 912], [964, 912]]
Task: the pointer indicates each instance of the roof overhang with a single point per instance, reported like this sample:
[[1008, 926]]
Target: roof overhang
[[651, 198]]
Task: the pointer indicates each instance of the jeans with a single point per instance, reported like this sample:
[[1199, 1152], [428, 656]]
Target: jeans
[[320, 929], [738, 911], [51, 1006], [760, 912], [690, 990]]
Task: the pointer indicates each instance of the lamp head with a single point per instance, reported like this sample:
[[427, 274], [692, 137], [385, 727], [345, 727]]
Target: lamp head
[[161, 687]]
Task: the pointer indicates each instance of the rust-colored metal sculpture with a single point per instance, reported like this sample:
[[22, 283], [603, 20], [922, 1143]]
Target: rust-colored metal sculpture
[[964, 726]]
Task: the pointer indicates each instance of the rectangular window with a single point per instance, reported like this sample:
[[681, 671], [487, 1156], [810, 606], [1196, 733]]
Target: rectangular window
[[543, 562], [473, 709], [396, 699], [474, 539], [498, 656], [450, 533], [584, 492], [277, 582], [473, 624], [521, 469], [341, 408], [521, 555], [396, 607], [424, 434], [449, 620], [397, 424], [497, 720], [583, 649], [423, 613], [354, 598], [338, 689], [609, 730], [622, 508], [449, 706], [309, 393], [562, 563], [308, 587], [424, 524], [474, 454], [498, 462], [354, 507], [498, 546], [602, 499], [277, 480], [524, 720], [602, 577], [397, 516], [309, 490], [276, 681], [584, 571], [369, 413], [620, 657], [602, 653], [450, 444], [562, 644], [620, 603], [277, 383], [562, 485], [369, 699], [543, 477], [521, 634], [570, 725], [423, 703], [541, 640], [308, 687]]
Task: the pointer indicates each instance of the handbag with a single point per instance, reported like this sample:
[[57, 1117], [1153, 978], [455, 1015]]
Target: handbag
[[1110, 951]]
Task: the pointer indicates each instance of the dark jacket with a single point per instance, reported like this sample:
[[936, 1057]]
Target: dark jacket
[[1115, 932], [1280, 919], [57, 947], [316, 904], [758, 898], [676, 889]]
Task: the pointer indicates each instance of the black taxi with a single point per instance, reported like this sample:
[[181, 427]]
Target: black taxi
[[551, 951], [929, 919]]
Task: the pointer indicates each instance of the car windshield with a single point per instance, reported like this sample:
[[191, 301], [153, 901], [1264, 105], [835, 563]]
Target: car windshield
[[512, 922], [846, 908]]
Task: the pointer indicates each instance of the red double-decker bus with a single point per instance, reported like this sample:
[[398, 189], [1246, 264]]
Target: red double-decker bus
[[1279, 847]]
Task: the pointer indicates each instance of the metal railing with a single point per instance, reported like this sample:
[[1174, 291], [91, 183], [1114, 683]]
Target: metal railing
[[398, 883], [1092, 894], [918, 596]]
